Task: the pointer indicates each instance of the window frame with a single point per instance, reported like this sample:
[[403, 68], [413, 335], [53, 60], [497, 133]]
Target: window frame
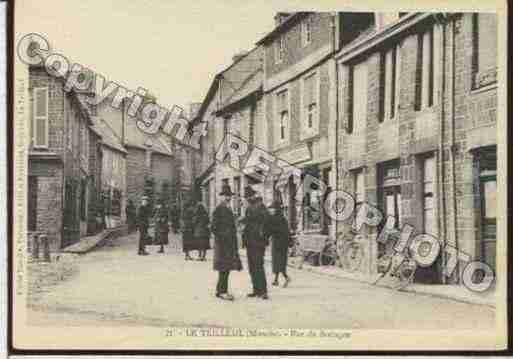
[[309, 131], [389, 90], [280, 126], [482, 77], [351, 101], [35, 118]]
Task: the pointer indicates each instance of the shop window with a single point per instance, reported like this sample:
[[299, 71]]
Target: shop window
[[488, 198], [484, 49], [312, 205]]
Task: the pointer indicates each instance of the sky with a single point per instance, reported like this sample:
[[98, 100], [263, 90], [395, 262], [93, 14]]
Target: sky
[[172, 48]]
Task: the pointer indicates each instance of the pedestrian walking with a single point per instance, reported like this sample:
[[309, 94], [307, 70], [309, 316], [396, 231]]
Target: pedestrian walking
[[188, 242], [226, 252], [131, 216], [143, 222], [175, 218], [277, 228], [162, 225], [201, 231], [253, 238]]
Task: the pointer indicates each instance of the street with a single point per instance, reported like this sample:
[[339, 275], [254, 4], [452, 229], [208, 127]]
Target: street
[[115, 286]]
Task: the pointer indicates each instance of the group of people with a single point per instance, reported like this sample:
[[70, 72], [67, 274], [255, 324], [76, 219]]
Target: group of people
[[259, 226], [143, 216]]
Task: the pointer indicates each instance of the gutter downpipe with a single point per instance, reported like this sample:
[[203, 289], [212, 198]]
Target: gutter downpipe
[[452, 149], [336, 186], [441, 203]]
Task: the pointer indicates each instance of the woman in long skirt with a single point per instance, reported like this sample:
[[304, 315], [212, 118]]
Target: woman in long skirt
[[188, 230], [201, 231], [278, 230]]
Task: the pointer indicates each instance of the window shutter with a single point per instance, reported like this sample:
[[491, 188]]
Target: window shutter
[[41, 117]]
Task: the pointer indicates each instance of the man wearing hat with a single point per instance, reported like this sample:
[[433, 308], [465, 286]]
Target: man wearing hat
[[226, 251], [254, 239], [143, 222]]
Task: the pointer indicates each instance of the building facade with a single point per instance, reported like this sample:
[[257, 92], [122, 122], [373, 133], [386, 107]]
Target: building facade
[[63, 167], [418, 105], [396, 109]]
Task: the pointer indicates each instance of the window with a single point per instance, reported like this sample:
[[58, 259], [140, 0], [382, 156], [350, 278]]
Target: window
[[389, 78], [488, 194], [485, 49], [310, 102], [306, 31], [429, 196], [358, 98], [312, 207], [283, 115], [424, 91], [40, 124], [280, 49], [390, 189]]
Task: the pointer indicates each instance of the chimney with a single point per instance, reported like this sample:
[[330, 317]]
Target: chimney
[[239, 56], [280, 17]]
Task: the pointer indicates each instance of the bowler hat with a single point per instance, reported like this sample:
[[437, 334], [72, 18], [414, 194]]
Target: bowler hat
[[226, 191], [249, 192]]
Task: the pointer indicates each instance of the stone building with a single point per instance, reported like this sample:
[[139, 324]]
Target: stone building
[[113, 173], [417, 131], [233, 105], [63, 168]]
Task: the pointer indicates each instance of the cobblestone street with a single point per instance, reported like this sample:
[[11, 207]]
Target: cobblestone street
[[115, 286]]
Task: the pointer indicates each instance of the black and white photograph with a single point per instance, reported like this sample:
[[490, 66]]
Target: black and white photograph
[[259, 175]]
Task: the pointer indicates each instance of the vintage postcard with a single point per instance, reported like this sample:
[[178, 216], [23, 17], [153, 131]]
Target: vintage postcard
[[301, 175]]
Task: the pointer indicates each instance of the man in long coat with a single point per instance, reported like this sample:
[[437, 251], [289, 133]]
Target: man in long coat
[[226, 252], [143, 223], [130, 216], [188, 242], [277, 228], [255, 241]]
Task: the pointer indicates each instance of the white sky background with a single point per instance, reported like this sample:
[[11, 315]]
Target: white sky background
[[172, 48]]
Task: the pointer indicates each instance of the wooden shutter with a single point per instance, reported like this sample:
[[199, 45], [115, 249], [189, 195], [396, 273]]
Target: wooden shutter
[[40, 117]]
